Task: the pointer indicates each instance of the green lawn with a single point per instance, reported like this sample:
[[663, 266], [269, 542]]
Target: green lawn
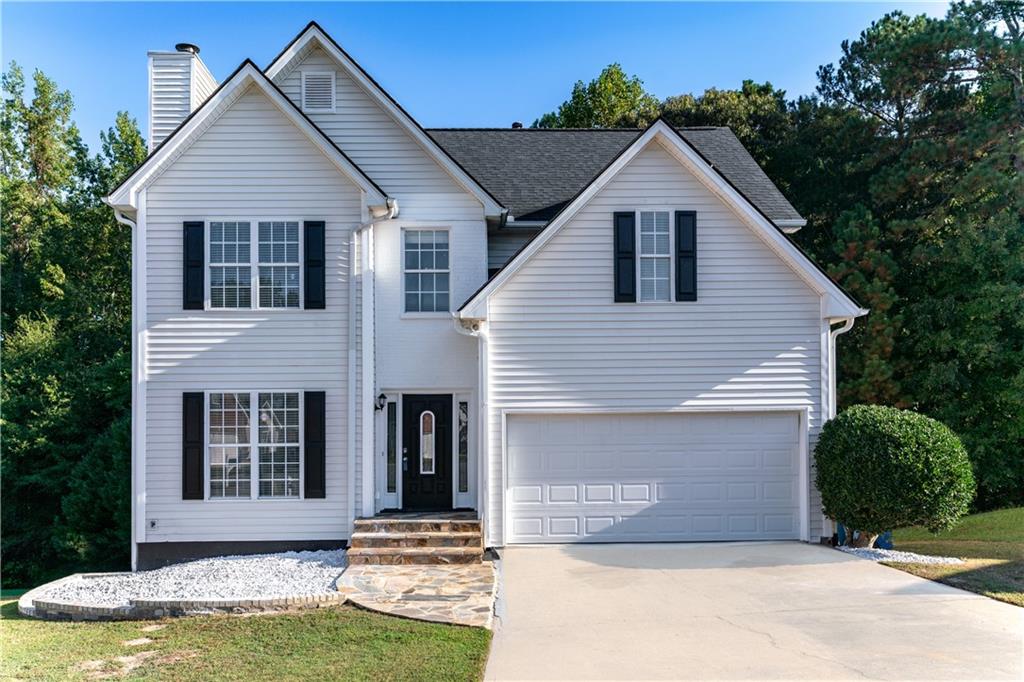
[[992, 545], [331, 643]]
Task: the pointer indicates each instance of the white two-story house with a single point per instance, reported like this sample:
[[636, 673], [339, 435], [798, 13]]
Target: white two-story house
[[581, 335]]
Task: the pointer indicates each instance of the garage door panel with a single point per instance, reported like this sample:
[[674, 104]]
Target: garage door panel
[[617, 478]]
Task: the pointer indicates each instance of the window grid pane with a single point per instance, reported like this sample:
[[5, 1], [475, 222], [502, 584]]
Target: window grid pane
[[392, 463], [230, 467], [278, 264], [426, 261], [230, 274], [279, 444], [463, 447], [655, 256]]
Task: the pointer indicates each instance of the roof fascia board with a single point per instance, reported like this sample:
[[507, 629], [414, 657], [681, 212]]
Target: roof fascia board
[[126, 194], [840, 303], [492, 207]]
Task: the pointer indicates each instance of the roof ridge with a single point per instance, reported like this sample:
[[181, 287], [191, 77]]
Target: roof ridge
[[571, 130]]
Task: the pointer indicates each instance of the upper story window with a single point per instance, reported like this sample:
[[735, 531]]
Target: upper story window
[[655, 256], [427, 271], [230, 258], [275, 261], [318, 91], [279, 264]]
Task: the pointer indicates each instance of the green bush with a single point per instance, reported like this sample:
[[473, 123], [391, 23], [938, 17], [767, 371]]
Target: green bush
[[880, 468]]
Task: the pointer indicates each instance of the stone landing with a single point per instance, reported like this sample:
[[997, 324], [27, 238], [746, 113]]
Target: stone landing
[[417, 539], [460, 595]]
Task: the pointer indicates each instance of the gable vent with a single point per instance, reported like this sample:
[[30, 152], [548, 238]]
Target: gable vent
[[318, 91]]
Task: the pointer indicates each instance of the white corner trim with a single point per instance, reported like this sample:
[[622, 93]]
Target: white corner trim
[[126, 194], [313, 33], [366, 274], [841, 304]]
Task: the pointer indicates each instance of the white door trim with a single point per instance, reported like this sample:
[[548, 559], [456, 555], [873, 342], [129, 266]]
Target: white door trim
[[802, 414]]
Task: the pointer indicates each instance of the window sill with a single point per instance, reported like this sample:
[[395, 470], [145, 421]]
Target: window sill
[[426, 316]]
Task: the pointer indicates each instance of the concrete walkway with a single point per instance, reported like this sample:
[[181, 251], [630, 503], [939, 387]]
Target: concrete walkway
[[775, 610]]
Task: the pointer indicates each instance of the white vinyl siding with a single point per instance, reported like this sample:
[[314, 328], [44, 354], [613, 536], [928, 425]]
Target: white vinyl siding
[[170, 93], [503, 244], [380, 146], [251, 161], [558, 342]]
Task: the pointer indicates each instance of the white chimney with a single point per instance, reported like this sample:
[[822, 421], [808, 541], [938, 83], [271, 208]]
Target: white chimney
[[178, 83]]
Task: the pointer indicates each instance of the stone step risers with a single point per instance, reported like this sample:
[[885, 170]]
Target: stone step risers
[[362, 540], [392, 556], [400, 525]]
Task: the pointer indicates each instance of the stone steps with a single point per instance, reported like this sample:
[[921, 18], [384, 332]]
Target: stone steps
[[394, 556], [417, 539], [362, 540], [400, 525]]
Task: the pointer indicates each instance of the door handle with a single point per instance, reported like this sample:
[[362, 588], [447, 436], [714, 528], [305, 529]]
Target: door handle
[[405, 463]]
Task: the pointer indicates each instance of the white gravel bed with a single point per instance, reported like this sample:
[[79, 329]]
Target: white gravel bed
[[254, 576], [876, 554]]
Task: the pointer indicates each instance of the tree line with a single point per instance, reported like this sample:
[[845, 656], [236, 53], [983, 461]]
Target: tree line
[[907, 163]]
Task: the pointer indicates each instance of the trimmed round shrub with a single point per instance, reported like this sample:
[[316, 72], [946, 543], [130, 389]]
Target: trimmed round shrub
[[880, 468]]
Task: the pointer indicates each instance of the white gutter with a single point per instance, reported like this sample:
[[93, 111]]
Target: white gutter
[[121, 218], [392, 212], [832, 334], [478, 328]]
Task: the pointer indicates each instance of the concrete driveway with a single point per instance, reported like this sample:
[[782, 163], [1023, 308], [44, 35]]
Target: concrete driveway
[[780, 610]]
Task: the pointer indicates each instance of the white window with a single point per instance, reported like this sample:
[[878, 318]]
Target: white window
[[427, 442], [230, 439], [233, 434], [230, 265], [275, 264], [318, 91], [655, 256], [279, 445], [426, 271], [279, 264]]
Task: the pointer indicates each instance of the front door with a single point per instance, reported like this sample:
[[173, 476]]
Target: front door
[[426, 452]]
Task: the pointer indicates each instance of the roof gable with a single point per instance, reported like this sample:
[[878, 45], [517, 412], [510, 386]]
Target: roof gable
[[838, 303], [247, 75], [537, 171], [314, 36]]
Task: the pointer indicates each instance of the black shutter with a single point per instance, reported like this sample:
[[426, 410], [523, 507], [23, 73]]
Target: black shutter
[[625, 257], [193, 290], [315, 443], [192, 429], [686, 255], [316, 294]]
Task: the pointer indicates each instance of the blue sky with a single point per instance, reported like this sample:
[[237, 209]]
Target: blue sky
[[448, 64]]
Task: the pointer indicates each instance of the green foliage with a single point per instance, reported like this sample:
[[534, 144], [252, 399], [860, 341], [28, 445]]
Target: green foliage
[[880, 468], [612, 100], [66, 319]]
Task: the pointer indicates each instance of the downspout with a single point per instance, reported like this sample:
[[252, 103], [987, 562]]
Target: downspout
[[478, 328], [833, 333], [392, 211], [121, 218]]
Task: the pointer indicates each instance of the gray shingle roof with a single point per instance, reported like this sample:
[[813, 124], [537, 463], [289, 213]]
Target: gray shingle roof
[[535, 172]]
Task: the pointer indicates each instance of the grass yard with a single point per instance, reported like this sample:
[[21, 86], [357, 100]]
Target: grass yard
[[332, 643], [992, 544]]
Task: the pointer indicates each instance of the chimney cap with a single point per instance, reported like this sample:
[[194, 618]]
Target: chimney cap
[[517, 124], [187, 47]]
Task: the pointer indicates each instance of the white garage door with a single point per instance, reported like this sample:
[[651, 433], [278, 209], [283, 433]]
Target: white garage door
[[657, 477]]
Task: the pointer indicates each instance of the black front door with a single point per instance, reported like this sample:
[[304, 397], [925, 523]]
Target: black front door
[[426, 452]]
